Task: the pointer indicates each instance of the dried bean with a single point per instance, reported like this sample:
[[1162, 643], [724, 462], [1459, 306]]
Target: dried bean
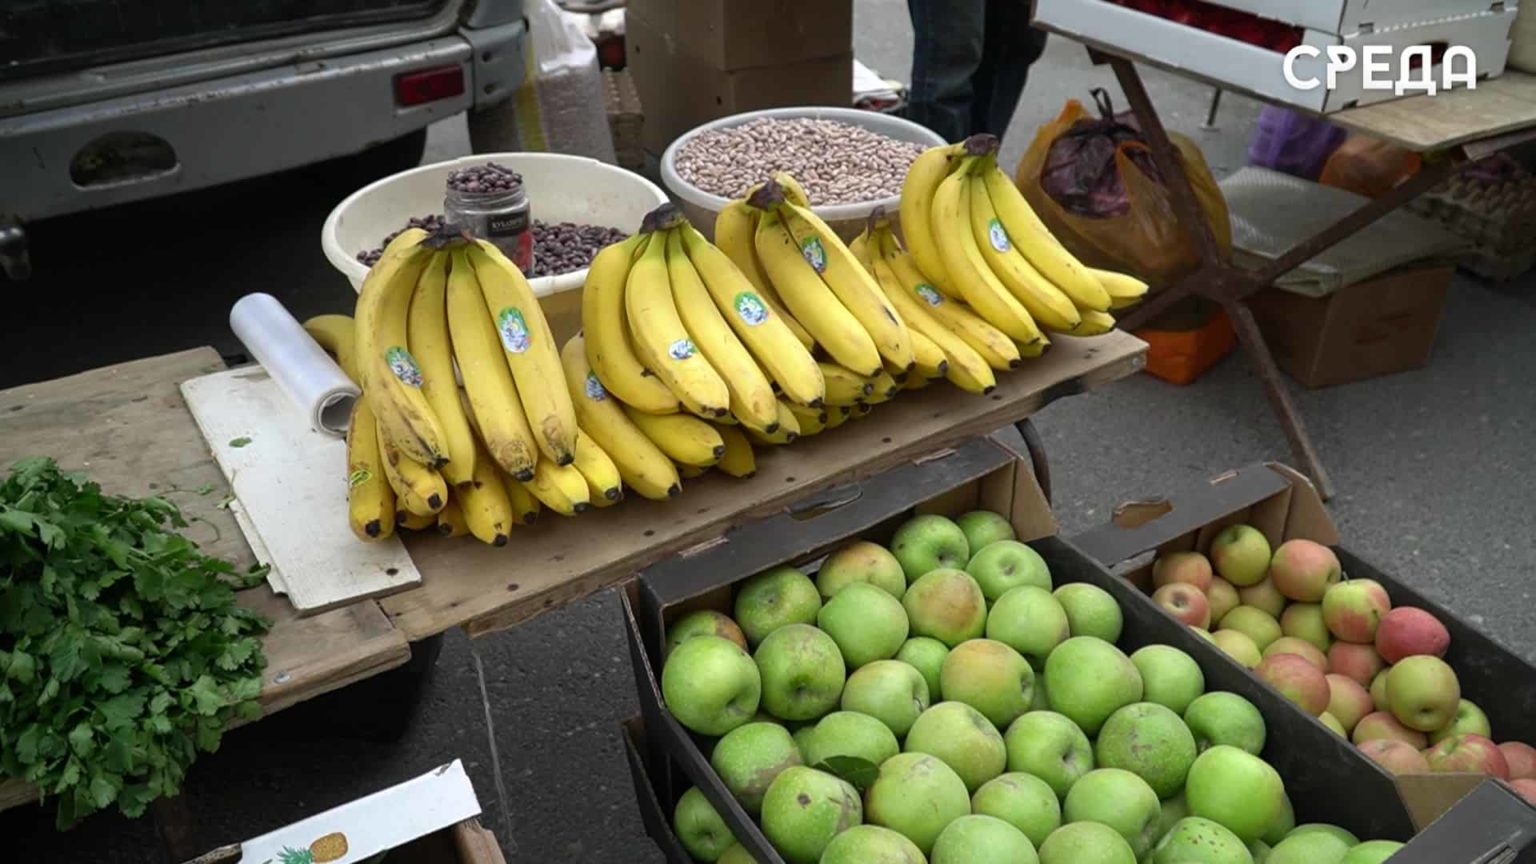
[[558, 247]]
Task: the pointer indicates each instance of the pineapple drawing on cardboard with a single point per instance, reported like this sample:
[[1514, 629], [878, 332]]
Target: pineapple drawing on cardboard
[[331, 847]]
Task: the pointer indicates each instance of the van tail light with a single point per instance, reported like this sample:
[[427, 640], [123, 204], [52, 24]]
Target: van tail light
[[429, 85]]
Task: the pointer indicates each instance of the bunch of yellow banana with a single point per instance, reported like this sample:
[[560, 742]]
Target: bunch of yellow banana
[[973, 239]]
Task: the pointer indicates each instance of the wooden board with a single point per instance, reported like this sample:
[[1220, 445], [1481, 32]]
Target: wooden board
[[291, 494], [559, 560], [1496, 107]]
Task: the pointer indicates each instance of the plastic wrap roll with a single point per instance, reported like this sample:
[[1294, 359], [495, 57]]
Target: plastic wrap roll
[[301, 368]]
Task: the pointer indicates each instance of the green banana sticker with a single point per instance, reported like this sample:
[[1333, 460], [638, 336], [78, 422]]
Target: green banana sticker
[[594, 388], [358, 478], [815, 254], [997, 235], [929, 295], [750, 308], [513, 330], [403, 365]]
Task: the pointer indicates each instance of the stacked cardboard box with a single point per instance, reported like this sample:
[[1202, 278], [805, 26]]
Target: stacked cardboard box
[[698, 60]]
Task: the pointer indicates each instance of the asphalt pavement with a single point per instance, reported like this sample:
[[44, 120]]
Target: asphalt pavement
[[1431, 468]]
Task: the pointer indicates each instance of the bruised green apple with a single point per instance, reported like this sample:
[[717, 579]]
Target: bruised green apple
[[1240, 554], [704, 622], [1169, 677], [711, 685], [982, 528], [802, 672], [867, 623], [890, 691], [1005, 565], [990, 677], [982, 840], [1022, 800], [1090, 679], [1151, 742], [861, 562], [748, 757], [773, 599], [804, 809], [849, 733], [947, 605], [1091, 611], [699, 827], [929, 542], [871, 844], [925, 654], [916, 795], [961, 738], [1050, 747], [1030, 620], [1086, 843], [1193, 840], [1119, 799]]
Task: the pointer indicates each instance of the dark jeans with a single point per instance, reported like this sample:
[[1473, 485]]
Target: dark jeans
[[969, 62]]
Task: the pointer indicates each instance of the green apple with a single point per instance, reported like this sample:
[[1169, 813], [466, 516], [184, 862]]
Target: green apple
[[1222, 597], [867, 623], [1282, 826], [748, 757], [801, 735], [1333, 724], [1005, 565], [926, 655], [1371, 852], [1263, 595], [711, 685], [737, 854], [982, 840], [1119, 799], [918, 796], [1029, 620], [871, 844], [865, 562], [1090, 679], [1378, 691], [961, 738], [1236, 789], [1022, 800], [1225, 718], [1042, 700], [1205, 634], [1193, 840], [1469, 718], [1169, 677], [773, 599], [1149, 741], [1305, 621], [704, 622], [802, 672], [1253, 622], [699, 827], [849, 733], [1086, 843], [1311, 848], [929, 542], [1259, 850], [1175, 808], [1423, 692], [1341, 834], [1238, 646], [947, 605], [804, 809], [990, 677], [890, 691], [1091, 611], [982, 528], [1240, 554], [1051, 747]]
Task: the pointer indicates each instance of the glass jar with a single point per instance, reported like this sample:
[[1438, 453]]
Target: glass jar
[[501, 217]]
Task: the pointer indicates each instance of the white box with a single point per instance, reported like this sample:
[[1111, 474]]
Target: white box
[[1353, 16], [1259, 71]]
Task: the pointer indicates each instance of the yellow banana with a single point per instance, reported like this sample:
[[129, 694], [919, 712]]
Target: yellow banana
[[788, 431], [1035, 241], [370, 498], [525, 507], [931, 361], [858, 247], [418, 489], [968, 272], [604, 485], [1050, 308], [485, 502], [384, 362], [658, 330], [917, 196], [861, 410], [826, 252], [793, 191], [608, 347], [642, 465], [738, 461], [1123, 290], [561, 488], [336, 334], [690, 472], [496, 411], [762, 328], [682, 437], [414, 521], [450, 520], [992, 344], [837, 415], [885, 387], [917, 382], [427, 335], [751, 395], [812, 420], [844, 386], [1095, 323], [530, 350], [735, 228], [811, 301]]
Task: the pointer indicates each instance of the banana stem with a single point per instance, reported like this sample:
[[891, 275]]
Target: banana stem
[[983, 144], [666, 216], [767, 196]]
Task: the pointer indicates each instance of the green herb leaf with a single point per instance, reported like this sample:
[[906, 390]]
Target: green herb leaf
[[240, 442]]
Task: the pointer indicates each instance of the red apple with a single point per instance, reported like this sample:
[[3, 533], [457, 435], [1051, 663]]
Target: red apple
[[1360, 662], [1468, 752], [1185, 602], [1521, 758], [1407, 631], [1303, 570], [1525, 787], [1381, 724], [1395, 756], [1301, 648], [1297, 680], [1352, 609], [1223, 597], [1190, 568], [1348, 702]]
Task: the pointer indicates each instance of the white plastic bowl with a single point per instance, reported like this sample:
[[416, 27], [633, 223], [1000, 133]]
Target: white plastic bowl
[[846, 219], [560, 189]]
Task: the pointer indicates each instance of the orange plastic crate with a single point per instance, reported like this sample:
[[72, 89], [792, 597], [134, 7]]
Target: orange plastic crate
[[1181, 356]]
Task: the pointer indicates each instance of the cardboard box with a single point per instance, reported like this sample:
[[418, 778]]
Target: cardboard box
[[1490, 824], [743, 34], [654, 815], [1283, 504], [428, 820], [1382, 325], [1352, 16], [1328, 780], [1236, 65], [680, 91]]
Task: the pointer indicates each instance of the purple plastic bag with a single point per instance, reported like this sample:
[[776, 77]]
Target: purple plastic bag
[[1292, 142]]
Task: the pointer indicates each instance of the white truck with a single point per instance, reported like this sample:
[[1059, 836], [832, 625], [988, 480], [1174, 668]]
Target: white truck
[[104, 102]]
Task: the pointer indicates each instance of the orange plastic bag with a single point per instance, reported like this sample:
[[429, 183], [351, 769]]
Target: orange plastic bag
[[1127, 222], [1368, 166]]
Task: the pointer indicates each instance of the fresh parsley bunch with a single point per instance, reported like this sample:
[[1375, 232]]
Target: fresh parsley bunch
[[122, 652]]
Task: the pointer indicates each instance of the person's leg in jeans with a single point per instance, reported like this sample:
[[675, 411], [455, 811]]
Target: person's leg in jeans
[[946, 51], [1009, 47]]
